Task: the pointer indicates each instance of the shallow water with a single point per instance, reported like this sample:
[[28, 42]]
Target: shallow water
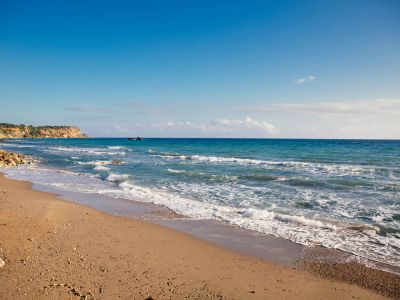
[[342, 194]]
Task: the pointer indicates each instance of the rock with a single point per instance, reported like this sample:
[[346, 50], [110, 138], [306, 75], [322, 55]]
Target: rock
[[136, 139], [116, 162], [2, 263], [11, 159]]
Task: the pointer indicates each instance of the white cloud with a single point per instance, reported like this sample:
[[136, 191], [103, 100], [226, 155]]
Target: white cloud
[[377, 118], [173, 126], [310, 78], [223, 127], [247, 123], [373, 118]]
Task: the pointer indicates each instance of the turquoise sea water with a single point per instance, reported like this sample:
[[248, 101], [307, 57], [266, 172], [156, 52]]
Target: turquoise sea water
[[342, 194]]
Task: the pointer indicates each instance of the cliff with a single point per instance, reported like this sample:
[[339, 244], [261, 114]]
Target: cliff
[[24, 131]]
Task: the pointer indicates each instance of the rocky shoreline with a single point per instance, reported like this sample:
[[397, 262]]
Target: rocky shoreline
[[13, 159]]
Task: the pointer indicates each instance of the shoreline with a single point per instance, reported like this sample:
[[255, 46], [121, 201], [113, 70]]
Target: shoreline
[[214, 231], [290, 218], [232, 237], [245, 241], [233, 275]]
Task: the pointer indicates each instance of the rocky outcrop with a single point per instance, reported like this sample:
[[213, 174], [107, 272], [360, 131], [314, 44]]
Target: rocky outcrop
[[12, 159], [24, 131]]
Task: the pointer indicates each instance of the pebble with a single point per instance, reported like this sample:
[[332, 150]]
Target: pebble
[[2, 263]]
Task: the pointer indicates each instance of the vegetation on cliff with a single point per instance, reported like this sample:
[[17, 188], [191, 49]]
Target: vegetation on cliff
[[29, 131]]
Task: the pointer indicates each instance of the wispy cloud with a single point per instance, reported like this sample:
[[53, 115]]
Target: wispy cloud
[[118, 107], [376, 106], [247, 123], [127, 107], [372, 118], [309, 78], [376, 118], [88, 109], [140, 107], [247, 127]]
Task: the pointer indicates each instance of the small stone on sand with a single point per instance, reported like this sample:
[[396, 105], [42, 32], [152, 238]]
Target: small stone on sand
[[2, 263]]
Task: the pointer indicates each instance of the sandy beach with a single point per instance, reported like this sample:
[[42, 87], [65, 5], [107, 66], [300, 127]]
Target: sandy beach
[[200, 150], [55, 249]]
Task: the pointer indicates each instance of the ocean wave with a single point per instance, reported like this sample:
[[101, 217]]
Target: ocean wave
[[95, 162], [91, 151], [101, 168], [260, 177], [300, 229], [302, 181], [18, 145], [176, 171], [315, 168], [300, 226], [113, 177], [99, 165], [202, 175]]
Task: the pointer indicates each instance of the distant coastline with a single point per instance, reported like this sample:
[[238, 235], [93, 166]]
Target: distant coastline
[[29, 131]]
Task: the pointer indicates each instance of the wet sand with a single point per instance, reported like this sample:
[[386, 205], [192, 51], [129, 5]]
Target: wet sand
[[55, 249]]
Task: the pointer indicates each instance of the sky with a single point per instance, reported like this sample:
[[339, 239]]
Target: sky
[[263, 69]]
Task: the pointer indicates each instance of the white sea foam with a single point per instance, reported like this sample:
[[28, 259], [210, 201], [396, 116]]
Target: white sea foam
[[18, 145], [117, 177], [89, 151], [335, 169], [100, 165], [201, 174], [305, 229], [176, 171], [101, 168], [300, 229], [95, 162]]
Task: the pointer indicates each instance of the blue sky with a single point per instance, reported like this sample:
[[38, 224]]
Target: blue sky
[[322, 69]]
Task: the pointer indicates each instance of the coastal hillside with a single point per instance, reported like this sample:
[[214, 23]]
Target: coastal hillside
[[24, 131]]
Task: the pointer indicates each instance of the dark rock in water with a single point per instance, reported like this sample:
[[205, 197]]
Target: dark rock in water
[[116, 162], [136, 139]]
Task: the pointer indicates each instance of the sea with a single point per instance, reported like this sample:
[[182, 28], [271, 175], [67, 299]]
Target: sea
[[341, 194]]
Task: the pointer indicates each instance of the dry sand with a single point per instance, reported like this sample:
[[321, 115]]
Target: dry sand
[[55, 249]]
